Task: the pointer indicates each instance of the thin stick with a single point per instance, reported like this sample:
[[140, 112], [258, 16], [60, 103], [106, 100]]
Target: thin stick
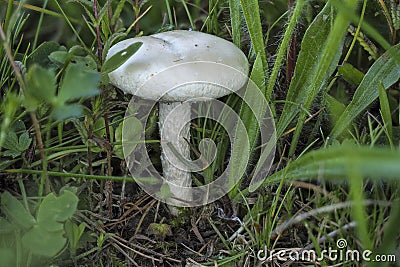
[[98, 35]]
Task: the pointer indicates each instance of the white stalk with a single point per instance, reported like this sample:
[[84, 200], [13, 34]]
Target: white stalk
[[178, 123]]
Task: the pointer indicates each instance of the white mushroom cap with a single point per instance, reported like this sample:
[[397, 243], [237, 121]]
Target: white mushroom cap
[[181, 60]]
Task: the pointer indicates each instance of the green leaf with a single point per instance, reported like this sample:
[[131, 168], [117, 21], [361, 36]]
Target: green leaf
[[7, 256], [389, 244], [164, 192], [58, 57], [284, 45], [103, 11], [11, 141], [9, 106], [19, 126], [251, 12], [385, 71], [4, 164], [78, 83], [82, 130], [335, 108], [112, 39], [127, 135], [335, 162], [16, 146], [74, 233], [67, 111], [42, 242], [41, 53], [12, 153], [99, 127], [304, 73], [246, 114], [236, 21], [350, 74], [117, 11], [24, 142], [15, 211], [327, 60], [76, 55], [6, 227], [55, 210], [386, 113], [88, 62], [41, 84], [78, 50], [120, 58]]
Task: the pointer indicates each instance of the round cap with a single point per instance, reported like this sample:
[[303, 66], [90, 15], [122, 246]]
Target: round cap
[[180, 65]]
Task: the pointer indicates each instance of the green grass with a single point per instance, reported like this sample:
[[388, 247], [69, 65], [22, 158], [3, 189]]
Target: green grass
[[337, 162]]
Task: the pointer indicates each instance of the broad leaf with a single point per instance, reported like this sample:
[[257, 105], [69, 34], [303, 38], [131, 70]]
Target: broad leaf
[[327, 61], [386, 113], [67, 111], [41, 242], [305, 71], [24, 142], [251, 12], [127, 134], [335, 162], [120, 58], [246, 114], [236, 21], [15, 211], [385, 71], [338, 163], [76, 55], [41, 83], [7, 256], [11, 141], [78, 83], [350, 74], [55, 210], [41, 53], [58, 57], [6, 227]]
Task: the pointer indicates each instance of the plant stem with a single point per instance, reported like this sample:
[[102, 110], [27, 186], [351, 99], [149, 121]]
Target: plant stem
[[34, 119], [137, 12], [39, 26], [77, 175], [8, 14], [44, 177], [98, 35], [108, 188], [89, 127]]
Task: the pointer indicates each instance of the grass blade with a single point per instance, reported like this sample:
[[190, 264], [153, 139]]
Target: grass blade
[[385, 71], [327, 64], [236, 21], [333, 163], [251, 12], [246, 115], [284, 46], [306, 65], [386, 114]]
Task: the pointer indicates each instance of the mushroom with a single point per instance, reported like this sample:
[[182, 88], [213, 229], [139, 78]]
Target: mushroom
[[193, 52]]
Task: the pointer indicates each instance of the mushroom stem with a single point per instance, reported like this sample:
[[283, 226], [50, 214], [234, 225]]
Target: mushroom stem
[[178, 123]]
